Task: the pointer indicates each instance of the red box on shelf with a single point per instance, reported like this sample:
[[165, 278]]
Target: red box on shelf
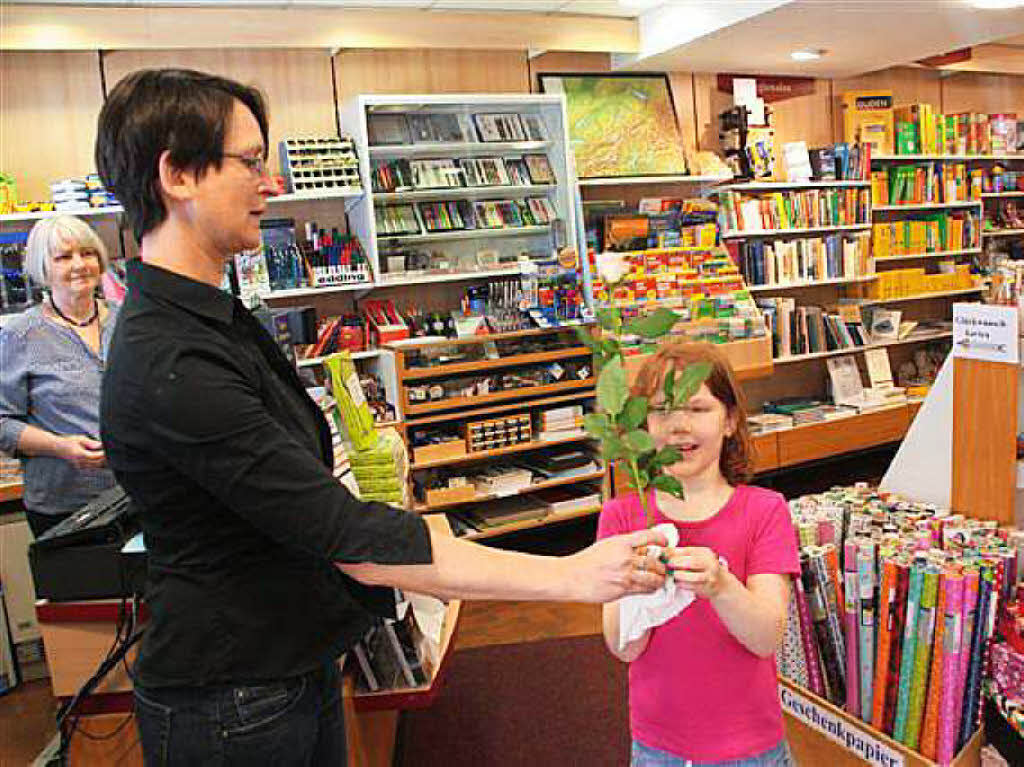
[[386, 324]]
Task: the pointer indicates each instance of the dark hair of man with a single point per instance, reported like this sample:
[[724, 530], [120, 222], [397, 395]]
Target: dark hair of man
[[153, 110]]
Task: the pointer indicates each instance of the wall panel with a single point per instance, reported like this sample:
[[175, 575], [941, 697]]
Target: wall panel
[[429, 71], [296, 83], [49, 102], [976, 92]]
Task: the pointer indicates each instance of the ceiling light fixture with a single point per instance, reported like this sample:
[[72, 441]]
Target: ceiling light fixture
[[807, 54]]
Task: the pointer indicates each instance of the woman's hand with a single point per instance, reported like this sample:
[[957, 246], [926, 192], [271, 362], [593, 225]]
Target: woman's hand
[[81, 451], [617, 566], [698, 569]]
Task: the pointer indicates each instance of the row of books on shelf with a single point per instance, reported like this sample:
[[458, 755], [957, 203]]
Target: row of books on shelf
[[391, 128], [445, 173], [895, 611], [656, 223], [533, 507], [922, 183], [927, 233], [740, 211], [452, 215], [841, 161], [807, 329], [900, 283], [920, 129], [805, 259]]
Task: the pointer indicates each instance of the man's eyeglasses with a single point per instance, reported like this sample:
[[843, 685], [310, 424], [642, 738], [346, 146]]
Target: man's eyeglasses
[[257, 165]]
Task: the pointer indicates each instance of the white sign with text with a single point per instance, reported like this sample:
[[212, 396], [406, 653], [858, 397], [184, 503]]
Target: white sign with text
[[983, 332], [855, 739]]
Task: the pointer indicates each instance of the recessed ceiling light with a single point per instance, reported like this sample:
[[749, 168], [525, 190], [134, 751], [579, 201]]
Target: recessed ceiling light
[[807, 54], [997, 5]]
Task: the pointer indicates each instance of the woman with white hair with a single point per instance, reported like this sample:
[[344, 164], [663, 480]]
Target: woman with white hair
[[51, 363]]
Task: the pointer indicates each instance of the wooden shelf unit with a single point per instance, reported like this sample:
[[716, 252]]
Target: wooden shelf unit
[[527, 400], [531, 524]]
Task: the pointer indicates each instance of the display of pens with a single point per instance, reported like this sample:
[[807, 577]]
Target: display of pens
[[335, 258]]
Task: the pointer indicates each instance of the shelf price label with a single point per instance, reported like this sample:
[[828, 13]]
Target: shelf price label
[[983, 332]]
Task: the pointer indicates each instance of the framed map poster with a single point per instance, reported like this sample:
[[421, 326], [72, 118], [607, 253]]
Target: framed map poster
[[620, 124]]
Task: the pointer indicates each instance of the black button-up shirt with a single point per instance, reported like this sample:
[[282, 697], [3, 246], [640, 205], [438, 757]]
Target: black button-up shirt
[[209, 430]]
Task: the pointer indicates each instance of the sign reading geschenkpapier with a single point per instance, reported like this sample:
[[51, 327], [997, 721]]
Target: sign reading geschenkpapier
[[854, 739]]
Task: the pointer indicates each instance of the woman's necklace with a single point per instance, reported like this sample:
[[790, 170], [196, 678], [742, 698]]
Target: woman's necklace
[[76, 323]]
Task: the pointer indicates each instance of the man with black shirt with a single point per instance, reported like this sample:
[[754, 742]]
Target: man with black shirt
[[263, 569]]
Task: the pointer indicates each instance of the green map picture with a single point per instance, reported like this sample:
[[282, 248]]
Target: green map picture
[[620, 126]]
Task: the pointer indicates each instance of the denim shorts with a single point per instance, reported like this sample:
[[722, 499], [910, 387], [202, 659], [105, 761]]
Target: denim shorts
[[645, 756], [295, 721]]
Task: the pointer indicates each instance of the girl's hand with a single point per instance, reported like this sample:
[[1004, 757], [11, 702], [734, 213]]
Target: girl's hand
[[698, 569]]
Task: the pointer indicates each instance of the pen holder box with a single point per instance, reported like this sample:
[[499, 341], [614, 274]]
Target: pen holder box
[[494, 433]]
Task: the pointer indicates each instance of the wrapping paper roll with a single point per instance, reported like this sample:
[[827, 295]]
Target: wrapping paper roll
[[887, 609], [933, 700], [952, 643], [922, 655], [899, 730]]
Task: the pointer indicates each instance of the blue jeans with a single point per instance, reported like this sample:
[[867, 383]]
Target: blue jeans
[[644, 756], [295, 721]]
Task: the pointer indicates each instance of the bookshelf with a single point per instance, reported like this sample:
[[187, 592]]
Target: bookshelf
[[469, 176], [650, 180], [477, 449], [736, 233], [107, 210]]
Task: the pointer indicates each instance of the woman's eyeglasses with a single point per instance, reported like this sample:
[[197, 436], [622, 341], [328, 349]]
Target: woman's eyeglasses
[[257, 165]]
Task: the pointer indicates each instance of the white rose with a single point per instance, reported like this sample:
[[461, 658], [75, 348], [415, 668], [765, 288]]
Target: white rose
[[612, 267]]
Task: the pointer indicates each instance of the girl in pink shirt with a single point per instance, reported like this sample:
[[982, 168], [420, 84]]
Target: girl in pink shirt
[[702, 686]]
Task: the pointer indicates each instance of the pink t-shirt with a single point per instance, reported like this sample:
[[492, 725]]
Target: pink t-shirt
[[696, 692]]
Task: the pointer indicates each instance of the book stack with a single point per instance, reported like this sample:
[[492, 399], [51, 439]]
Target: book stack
[[560, 422], [933, 579], [898, 283], [751, 212], [932, 233], [807, 259], [920, 183], [808, 329]]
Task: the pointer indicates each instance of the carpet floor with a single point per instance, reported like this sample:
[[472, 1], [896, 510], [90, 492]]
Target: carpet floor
[[553, 702]]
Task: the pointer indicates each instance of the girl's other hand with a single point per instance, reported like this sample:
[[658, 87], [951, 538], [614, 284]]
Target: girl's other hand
[[698, 569]]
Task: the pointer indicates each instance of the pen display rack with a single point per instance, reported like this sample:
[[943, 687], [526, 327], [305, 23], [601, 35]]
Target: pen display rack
[[320, 164]]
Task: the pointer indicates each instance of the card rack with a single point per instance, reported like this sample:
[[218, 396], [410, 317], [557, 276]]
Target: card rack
[[327, 164]]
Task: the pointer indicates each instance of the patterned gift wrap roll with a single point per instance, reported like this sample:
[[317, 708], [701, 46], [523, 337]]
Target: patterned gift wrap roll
[[1008, 671], [933, 700], [817, 586], [892, 687], [972, 588], [972, 686], [866, 626], [922, 654], [790, 657], [851, 610], [807, 632], [899, 731], [831, 556], [886, 619], [952, 644]]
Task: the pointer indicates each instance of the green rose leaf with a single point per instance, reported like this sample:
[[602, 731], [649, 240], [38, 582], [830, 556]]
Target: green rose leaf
[[612, 448], [669, 485], [690, 380], [612, 390], [633, 414], [665, 457], [669, 385], [598, 425], [639, 441], [653, 325], [610, 319]]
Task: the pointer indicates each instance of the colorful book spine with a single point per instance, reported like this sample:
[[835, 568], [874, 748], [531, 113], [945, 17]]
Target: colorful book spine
[[886, 618], [899, 731], [933, 700], [851, 609], [951, 648], [892, 687], [922, 655], [814, 676], [866, 628], [972, 687]]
